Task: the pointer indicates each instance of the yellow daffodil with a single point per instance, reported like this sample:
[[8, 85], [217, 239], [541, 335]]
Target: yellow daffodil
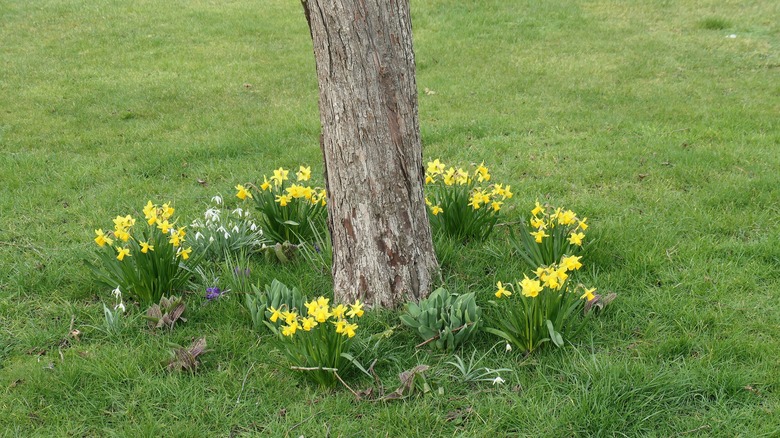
[[283, 200], [508, 192], [122, 235], [275, 314], [295, 191], [322, 314], [289, 317], [101, 238], [449, 177], [435, 167], [341, 325], [496, 205], [185, 253], [538, 209], [539, 235], [323, 302], [567, 218], [122, 253], [243, 193], [531, 288], [167, 211], [571, 263], [582, 225], [339, 311], [119, 222], [561, 274], [436, 210], [588, 294], [308, 193], [145, 247], [355, 309], [482, 173], [311, 307], [576, 238], [164, 226], [349, 330], [290, 329], [304, 173], [280, 175], [149, 208], [461, 176], [151, 218], [265, 185], [538, 223], [502, 292], [308, 323]]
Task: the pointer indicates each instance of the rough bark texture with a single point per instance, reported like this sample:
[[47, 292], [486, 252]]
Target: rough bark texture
[[382, 246]]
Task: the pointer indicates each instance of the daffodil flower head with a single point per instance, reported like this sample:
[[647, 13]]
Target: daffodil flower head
[[530, 288], [275, 314], [304, 173], [355, 309], [339, 311], [502, 291], [589, 294], [122, 253], [571, 263], [243, 193]]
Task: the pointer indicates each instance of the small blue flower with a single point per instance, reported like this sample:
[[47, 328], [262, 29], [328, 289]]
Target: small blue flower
[[212, 293]]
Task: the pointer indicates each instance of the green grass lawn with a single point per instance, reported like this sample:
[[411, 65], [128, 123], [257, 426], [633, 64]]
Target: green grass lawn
[[646, 117]]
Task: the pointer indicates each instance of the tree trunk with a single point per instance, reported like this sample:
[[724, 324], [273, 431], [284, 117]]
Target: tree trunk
[[382, 247]]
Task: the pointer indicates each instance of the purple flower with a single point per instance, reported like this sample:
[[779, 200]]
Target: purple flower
[[212, 293], [239, 272]]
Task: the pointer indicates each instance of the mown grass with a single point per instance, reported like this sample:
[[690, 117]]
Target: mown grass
[[643, 117]]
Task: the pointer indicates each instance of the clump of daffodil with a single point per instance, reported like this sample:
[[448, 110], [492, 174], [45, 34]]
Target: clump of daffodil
[[292, 210], [317, 337], [548, 234], [463, 203], [542, 308], [147, 259]]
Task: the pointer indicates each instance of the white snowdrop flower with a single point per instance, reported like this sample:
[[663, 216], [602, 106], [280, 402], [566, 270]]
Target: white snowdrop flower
[[211, 239], [498, 380], [120, 306], [217, 200], [198, 236], [508, 347], [732, 36], [252, 226], [235, 228], [221, 229], [239, 211], [227, 235], [117, 293], [212, 214]]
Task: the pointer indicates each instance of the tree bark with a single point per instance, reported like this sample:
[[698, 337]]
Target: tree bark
[[382, 246]]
